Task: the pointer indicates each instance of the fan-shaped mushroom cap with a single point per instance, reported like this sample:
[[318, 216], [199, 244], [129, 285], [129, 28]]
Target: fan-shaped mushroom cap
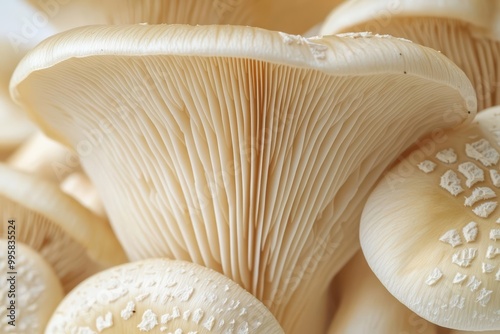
[[160, 295], [206, 136], [30, 289], [466, 31], [365, 306], [430, 230], [73, 240]]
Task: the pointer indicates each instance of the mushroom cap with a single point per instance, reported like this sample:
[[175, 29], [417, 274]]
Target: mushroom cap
[[73, 240], [466, 31], [44, 157], [365, 306], [430, 229], [30, 285], [160, 295], [199, 140]]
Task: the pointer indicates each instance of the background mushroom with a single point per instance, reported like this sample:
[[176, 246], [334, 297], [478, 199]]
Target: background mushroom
[[466, 31], [206, 142], [75, 242], [31, 294], [430, 229], [365, 306], [160, 295]]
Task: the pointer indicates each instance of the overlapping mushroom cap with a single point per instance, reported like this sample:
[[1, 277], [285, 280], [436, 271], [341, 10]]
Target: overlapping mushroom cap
[[431, 229], [160, 295], [207, 137], [466, 31], [75, 242]]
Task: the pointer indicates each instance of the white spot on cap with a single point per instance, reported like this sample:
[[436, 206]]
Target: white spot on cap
[[472, 173], [433, 277], [479, 194], [470, 232], [495, 234], [482, 151], [448, 156], [184, 294], [427, 166], [495, 177], [102, 323], [487, 268], [484, 297], [497, 275], [186, 315], [492, 252], [451, 182], [128, 311], [473, 283], [451, 237], [85, 330], [464, 257], [209, 323], [148, 322], [197, 315], [141, 297], [485, 209], [459, 278], [457, 301]]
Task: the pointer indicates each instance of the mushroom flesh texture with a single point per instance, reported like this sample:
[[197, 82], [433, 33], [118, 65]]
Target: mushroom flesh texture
[[466, 31], [30, 289], [200, 140], [160, 295], [74, 241], [365, 305], [430, 230]]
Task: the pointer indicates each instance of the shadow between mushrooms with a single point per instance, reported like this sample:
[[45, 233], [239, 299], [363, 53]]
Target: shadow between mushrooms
[[247, 151]]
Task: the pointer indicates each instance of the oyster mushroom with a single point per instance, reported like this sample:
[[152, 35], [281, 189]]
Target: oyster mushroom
[[160, 295], [30, 289], [465, 31], [75, 242], [430, 229], [208, 138]]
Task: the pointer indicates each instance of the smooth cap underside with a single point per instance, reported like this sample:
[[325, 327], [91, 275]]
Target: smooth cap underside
[[431, 229], [468, 32], [199, 139], [160, 295], [30, 289]]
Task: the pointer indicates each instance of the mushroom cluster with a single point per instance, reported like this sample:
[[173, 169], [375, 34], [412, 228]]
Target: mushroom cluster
[[198, 167]]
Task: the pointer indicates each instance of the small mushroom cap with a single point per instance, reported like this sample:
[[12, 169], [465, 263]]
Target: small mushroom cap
[[431, 229], [466, 31], [200, 141], [160, 295], [365, 306], [72, 239], [30, 285]]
